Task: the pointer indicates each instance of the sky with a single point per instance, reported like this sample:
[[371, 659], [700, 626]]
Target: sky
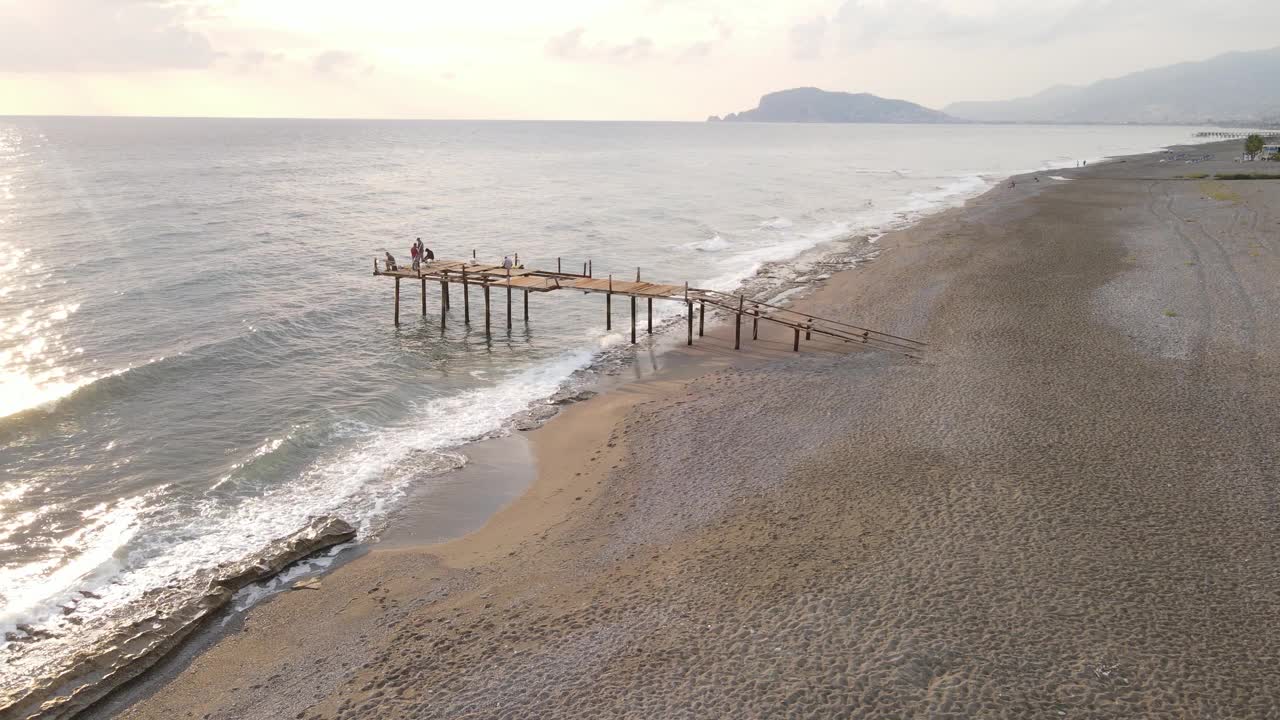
[[579, 59]]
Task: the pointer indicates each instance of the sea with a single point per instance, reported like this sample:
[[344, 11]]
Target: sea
[[195, 357]]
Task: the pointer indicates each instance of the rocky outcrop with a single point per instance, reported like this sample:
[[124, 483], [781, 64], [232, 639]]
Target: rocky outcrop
[[134, 649], [811, 105]]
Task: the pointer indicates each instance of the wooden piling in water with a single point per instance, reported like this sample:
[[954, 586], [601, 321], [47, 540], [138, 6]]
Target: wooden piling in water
[[424, 297], [755, 323], [466, 298], [795, 347], [508, 298], [397, 300], [633, 319], [649, 314], [702, 315], [487, 331], [526, 307], [608, 306]]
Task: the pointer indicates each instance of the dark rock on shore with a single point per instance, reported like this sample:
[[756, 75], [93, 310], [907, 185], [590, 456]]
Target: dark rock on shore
[[133, 650]]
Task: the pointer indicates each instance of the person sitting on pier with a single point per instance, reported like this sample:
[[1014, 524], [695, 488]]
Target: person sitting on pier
[[427, 255], [506, 262], [391, 263]]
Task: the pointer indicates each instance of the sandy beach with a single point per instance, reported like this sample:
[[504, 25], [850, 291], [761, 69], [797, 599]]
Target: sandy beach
[[1066, 509]]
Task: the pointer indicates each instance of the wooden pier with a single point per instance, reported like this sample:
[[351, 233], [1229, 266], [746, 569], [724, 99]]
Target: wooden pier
[[469, 273]]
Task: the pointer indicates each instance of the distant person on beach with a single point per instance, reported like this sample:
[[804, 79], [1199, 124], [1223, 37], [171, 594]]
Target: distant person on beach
[[391, 262], [506, 262]]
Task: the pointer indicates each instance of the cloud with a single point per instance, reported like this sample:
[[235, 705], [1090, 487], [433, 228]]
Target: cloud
[[723, 28], [331, 61], [102, 35], [256, 60], [696, 51], [959, 24], [807, 38], [569, 46]]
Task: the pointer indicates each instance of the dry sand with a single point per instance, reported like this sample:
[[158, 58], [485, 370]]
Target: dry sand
[[1067, 509]]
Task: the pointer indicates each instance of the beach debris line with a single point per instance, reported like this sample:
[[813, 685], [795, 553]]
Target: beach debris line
[[511, 275], [89, 677]]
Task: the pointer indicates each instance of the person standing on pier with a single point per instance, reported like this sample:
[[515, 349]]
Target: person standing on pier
[[416, 255]]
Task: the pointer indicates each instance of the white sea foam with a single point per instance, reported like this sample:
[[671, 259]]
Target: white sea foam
[[715, 243], [360, 484]]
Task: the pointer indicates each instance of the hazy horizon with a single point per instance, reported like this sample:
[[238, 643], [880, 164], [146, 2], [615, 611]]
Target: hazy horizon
[[638, 60]]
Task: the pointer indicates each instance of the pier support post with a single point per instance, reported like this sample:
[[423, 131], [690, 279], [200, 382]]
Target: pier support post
[[689, 307], [737, 326], [397, 301], [526, 307], [608, 311], [649, 314], [755, 324], [702, 315], [444, 295], [808, 328], [795, 347], [508, 298], [466, 299], [487, 331], [424, 297], [633, 319]]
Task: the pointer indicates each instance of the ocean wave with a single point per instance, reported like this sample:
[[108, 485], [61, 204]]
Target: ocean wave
[[715, 243]]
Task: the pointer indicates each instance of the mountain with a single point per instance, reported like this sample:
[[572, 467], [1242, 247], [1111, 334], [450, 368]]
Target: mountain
[[1238, 87], [819, 106]]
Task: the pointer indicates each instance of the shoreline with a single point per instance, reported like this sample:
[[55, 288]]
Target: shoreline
[[566, 442]]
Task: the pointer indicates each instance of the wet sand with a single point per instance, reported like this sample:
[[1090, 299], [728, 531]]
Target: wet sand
[[1068, 508]]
